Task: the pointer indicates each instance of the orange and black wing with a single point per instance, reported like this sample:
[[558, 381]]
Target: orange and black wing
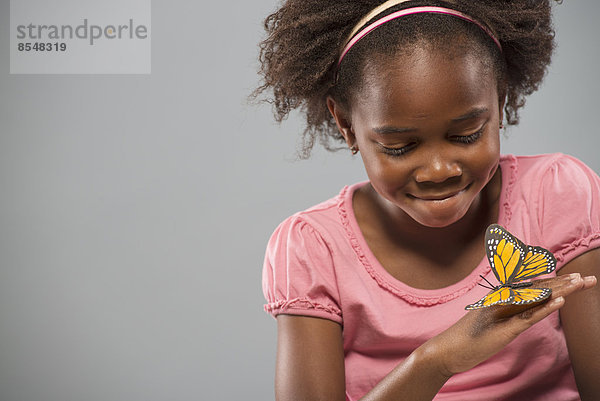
[[514, 296], [505, 253], [501, 295], [537, 261], [512, 261], [530, 295]]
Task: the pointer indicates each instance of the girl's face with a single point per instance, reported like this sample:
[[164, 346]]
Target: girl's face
[[427, 127]]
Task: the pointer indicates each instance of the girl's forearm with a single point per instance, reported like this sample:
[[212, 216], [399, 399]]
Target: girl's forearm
[[418, 377]]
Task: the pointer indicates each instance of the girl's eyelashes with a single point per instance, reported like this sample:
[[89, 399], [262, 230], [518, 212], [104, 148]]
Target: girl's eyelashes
[[463, 139], [468, 138], [397, 151]]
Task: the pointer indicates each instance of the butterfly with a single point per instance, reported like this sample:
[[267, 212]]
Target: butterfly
[[513, 261]]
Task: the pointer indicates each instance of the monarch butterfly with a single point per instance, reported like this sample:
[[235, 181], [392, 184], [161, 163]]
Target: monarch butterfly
[[512, 261]]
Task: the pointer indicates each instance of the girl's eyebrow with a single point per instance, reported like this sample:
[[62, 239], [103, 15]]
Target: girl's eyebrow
[[392, 130], [388, 129], [476, 112]]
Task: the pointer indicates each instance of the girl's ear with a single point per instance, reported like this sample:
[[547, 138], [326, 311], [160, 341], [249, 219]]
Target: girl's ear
[[341, 120], [501, 103]]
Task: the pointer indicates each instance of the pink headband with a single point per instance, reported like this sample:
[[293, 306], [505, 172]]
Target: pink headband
[[413, 10]]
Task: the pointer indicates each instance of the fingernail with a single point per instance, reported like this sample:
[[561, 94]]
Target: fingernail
[[590, 279]]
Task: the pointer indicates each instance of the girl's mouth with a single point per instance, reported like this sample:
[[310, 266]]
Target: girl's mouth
[[439, 196]]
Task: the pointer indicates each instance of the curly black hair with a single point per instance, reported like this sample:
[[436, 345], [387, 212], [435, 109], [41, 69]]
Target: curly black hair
[[298, 59]]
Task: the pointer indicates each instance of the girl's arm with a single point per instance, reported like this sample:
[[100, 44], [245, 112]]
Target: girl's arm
[[310, 359], [310, 355], [580, 319], [310, 365]]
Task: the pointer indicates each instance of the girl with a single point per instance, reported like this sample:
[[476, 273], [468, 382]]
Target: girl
[[369, 288]]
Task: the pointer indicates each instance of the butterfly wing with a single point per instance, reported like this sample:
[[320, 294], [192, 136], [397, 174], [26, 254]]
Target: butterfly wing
[[502, 295], [515, 296], [512, 261], [537, 261], [505, 253], [530, 295]]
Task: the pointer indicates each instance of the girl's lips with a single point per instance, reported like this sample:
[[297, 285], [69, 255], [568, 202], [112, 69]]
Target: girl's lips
[[439, 197]]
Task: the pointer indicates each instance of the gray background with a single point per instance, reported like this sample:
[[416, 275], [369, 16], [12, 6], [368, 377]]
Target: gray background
[[134, 210]]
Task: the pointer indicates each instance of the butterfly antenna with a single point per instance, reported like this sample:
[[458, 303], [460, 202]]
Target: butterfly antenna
[[491, 286]]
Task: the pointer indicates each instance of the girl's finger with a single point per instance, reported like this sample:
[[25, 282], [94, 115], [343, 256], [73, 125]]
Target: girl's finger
[[531, 316], [557, 281], [572, 283], [589, 282], [561, 286]]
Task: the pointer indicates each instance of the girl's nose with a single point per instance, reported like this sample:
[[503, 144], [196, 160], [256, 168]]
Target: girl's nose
[[437, 168]]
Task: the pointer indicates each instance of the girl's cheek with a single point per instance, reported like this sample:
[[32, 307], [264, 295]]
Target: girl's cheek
[[487, 157]]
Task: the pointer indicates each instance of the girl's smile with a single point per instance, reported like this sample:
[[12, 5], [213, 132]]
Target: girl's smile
[[439, 198]]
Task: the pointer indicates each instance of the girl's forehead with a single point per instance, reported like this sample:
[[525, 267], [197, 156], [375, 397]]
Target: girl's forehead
[[425, 58], [423, 82]]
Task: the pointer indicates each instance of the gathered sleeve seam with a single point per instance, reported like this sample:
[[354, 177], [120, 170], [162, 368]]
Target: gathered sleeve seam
[[572, 250], [302, 304]]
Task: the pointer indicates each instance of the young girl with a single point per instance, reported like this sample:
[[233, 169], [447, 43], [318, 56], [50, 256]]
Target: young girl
[[369, 288]]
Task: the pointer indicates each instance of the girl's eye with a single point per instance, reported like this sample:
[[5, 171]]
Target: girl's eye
[[397, 151], [468, 138]]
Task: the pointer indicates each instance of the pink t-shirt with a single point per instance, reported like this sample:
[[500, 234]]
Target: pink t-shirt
[[318, 264]]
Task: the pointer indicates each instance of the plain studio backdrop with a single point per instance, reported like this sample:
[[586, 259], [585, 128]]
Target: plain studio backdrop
[[135, 209]]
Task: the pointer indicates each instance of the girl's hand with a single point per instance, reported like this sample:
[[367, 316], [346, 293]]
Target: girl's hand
[[481, 333]]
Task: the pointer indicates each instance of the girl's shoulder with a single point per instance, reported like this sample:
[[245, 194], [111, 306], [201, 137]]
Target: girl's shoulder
[[554, 202], [548, 182], [553, 168], [539, 161], [325, 215]]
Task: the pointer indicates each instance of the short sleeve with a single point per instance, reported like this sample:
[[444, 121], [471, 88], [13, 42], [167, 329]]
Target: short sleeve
[[298, 273], [569, 208]]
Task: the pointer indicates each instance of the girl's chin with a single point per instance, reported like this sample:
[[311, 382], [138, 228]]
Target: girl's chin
[[437, 222]]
